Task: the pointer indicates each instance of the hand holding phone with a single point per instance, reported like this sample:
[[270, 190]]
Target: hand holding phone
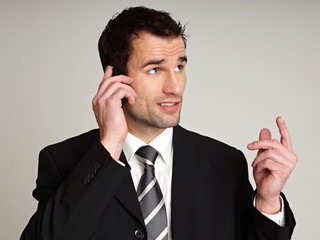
[[108, 112]]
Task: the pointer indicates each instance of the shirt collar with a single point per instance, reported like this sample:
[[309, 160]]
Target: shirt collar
[[162, 143]]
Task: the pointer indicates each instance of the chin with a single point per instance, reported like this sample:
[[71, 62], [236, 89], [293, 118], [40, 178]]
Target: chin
[[167, 123]]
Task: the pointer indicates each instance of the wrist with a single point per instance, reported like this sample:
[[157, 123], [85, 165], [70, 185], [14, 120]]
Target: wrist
[[268, 206], [113, 147]]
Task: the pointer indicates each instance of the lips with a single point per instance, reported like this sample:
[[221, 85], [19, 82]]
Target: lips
[[169, 106]]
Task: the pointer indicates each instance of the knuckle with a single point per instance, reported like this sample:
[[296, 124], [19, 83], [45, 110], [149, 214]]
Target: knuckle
[[99, 101], [268, 153], [290, 168], [285, 171], [94, 102], [268, 162], [293, 157]]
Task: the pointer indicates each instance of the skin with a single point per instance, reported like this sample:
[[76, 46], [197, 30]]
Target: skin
[[156, 75], [158, 67], [154, 88], [272, 166]]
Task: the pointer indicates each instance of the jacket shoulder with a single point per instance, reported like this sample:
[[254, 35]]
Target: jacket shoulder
[[203, 142], [75, 142], [66, 154]]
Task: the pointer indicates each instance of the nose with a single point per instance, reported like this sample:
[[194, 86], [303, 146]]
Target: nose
[[174, 83]]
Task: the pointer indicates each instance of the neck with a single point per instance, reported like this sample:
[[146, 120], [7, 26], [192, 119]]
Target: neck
[[146, 134]]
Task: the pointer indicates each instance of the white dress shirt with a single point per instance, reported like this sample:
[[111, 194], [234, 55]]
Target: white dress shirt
[[162, 165], [163, 169]]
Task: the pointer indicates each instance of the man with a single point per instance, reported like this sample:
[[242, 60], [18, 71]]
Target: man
[[141, 176]]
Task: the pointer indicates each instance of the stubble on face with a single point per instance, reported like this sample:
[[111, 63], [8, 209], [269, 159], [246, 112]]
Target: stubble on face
[[159, 101], [151, 118]]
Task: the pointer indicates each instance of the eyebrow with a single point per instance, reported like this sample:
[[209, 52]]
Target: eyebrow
[[183, 59], [153, 62], [160, 61]]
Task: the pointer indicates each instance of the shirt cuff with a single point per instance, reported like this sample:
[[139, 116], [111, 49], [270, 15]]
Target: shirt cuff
[[278, 218]]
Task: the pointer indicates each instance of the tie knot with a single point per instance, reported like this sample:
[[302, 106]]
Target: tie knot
[[147, 153]]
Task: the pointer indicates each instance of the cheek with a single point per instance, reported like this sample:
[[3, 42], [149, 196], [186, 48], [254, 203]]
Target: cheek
[[183, 82], [142, 94], [147, 90]]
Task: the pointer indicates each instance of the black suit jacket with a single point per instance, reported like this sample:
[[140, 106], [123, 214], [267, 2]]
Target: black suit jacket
[[84, 194]]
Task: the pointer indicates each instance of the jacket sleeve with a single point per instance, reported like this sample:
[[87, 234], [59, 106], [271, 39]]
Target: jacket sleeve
[[74, 202], [252, 224]]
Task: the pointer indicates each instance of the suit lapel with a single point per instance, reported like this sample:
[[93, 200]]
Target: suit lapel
[[188, 173], [127, 195]]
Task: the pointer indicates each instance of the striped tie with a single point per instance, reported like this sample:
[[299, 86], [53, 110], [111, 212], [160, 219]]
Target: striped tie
[[150, 197]]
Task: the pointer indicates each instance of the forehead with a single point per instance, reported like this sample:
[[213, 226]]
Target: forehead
[[147, 45]]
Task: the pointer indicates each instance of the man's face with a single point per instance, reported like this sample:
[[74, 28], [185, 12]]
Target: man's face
[[157, 66]]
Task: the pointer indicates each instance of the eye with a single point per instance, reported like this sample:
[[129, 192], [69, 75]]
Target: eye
[[178, 68], [153, 71]]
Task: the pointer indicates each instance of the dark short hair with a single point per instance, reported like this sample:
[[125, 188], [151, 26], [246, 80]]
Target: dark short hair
[[115, 41]]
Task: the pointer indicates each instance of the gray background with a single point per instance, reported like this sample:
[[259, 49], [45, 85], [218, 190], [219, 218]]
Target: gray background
[[249, 61]]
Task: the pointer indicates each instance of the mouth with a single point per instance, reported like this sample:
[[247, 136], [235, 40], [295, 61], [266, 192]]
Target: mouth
[[169, 106]]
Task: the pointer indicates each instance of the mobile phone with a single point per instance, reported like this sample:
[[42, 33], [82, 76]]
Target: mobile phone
[[116, 72]]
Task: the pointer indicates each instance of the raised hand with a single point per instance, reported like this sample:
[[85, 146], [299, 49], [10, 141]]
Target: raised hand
[[272, 166], [107, 107]]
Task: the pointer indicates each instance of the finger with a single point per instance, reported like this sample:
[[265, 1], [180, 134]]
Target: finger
[[116, 90], [284, 133], [264, 134], [275, 169], [113, 87], [269, 154], [108, 82], [108, 72], [267, 164], [265, 144], [119, 78], [128, 93]]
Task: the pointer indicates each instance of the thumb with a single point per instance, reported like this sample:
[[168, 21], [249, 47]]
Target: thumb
[[264, 134]]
